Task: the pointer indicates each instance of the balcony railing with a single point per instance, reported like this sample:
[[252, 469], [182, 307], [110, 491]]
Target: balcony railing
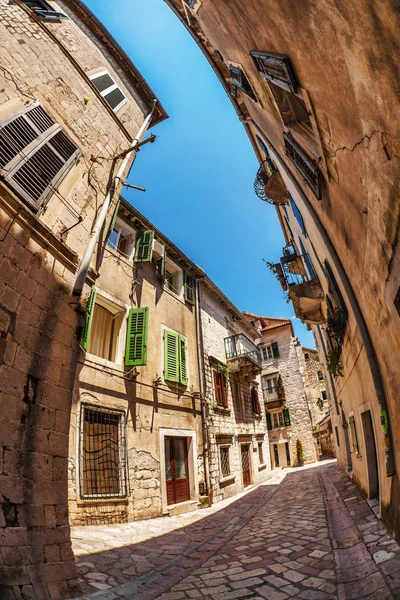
[[270, 394], [237, 346], [305, 165], [268, 184]]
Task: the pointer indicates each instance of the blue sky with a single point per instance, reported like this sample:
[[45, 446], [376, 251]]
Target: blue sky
[[199, 173]]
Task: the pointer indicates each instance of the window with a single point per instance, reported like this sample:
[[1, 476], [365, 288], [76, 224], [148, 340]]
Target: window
[[260, 453], [103, 452], [298, 216], [44, 10], [320, 375], [121, 240], [35, 154], [337, 436], [306, 166], [270, 388], [353, 431], [109, 90], [281, 419], [270, 351], [324, 395], [221, 395], [307, 261], [306, 356], [276, 68], [175, 358], [173, 277], [224, 461], [255, 401], [102, 327], [239, 78]]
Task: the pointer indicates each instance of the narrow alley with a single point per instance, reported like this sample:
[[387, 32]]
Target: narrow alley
[[306, 533]]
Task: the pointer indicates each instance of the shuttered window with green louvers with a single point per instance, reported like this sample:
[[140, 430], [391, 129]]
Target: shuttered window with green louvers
[[286, 417], [189, 288], [175, 358], [88, 319], [136, 337], [144, 246]]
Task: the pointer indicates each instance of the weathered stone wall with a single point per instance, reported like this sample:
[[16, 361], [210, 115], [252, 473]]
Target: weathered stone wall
[[40, 319], [149, 407], [237, 423], [288, 366]]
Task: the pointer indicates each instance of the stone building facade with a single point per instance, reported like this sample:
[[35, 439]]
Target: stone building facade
[[329, 162], [136, 437], [284, 393], [58, 137], [237, 433]]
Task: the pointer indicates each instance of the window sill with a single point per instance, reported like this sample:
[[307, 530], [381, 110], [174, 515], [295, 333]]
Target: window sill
[[178, 297], [97, 360], [222, 410], [262, 467], [120, 256], [228, 480]]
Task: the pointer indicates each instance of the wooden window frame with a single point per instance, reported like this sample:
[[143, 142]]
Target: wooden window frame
[[11, 171], [220, 389]]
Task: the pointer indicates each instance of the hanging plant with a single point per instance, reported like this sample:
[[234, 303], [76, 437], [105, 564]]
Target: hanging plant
[[333, 363], [225, 369], [336, 324], [280, 390]]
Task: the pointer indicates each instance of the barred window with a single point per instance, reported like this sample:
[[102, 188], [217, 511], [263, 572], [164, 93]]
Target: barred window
[[103, 453], [224, 458], [260, 453], [35, 154]]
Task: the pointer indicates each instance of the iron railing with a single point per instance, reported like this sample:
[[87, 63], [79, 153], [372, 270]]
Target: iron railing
[[270, 394], [266, 170], [240, 345]]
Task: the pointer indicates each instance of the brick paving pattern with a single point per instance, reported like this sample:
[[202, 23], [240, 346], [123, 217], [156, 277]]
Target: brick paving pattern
[[306, 534]]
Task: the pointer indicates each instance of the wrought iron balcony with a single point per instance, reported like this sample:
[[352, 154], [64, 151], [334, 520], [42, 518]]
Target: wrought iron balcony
[[305, 165], [268, 184], [240, 348]]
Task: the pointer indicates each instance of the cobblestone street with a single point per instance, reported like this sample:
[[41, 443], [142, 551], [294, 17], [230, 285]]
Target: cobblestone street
[[307, 533]]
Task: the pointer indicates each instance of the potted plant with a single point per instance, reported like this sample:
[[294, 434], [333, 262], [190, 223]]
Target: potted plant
[[280, 390], [299, 452], [333, 363]]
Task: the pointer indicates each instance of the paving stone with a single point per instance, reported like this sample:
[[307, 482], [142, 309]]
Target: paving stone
[[266, 591], [294, 576]]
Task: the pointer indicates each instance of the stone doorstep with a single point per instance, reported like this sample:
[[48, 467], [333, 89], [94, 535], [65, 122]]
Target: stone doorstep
[[182, 507]]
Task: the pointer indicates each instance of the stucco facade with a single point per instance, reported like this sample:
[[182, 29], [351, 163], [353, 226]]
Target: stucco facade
[[325, 121], [150, 406], [237, 431], [58, 138]]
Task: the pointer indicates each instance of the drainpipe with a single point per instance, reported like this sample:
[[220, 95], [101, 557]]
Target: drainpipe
[[371, 357], [95, 234], [200, 358]]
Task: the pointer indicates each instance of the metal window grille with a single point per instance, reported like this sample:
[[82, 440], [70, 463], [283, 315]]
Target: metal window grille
[[225, 465], [35, 154], [44, 10], [102, 453], [260, 453]]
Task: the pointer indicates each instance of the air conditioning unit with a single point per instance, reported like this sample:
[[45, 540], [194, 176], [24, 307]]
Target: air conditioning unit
[[158, 249]]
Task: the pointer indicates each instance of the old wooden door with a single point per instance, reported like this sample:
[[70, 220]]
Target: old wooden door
[[246, 465], [176, 470]]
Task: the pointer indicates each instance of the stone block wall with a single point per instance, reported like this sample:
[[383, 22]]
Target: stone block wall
[[237, 423]]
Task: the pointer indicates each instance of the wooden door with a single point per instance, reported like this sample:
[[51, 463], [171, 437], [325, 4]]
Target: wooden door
[[176, 470], [246, 465]]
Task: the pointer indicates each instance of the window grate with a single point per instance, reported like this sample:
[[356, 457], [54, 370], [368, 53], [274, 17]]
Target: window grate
[[306, 167], [103, 453], [225, 465]]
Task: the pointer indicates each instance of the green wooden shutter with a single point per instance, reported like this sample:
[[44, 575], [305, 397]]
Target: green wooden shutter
[[136, 337], [275, 349], [160, 267], [189, 289], [183, 375], [114, 218], [171, 356], [286, 417], [269, 422], [144, 246], [88, 319]]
